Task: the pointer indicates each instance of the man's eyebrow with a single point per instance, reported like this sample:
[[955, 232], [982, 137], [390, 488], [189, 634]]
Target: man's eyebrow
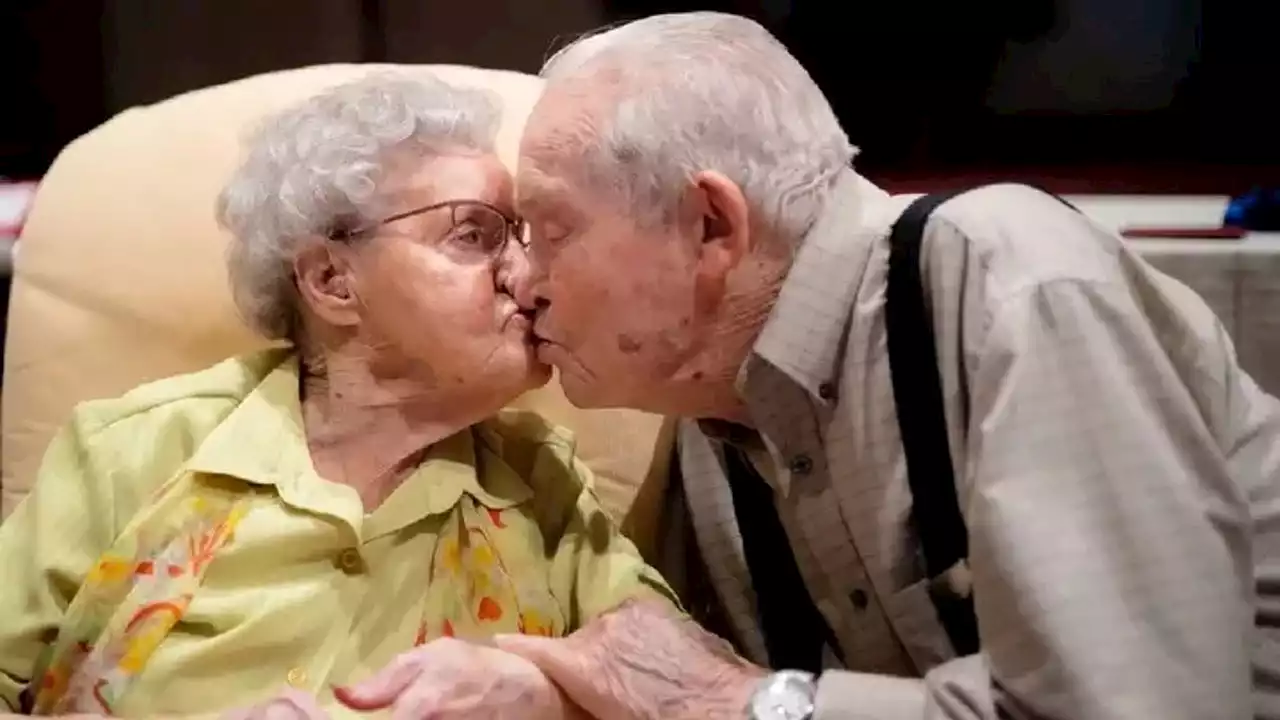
[[538, 194]]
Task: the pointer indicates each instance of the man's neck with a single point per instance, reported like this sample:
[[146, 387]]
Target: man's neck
[[707, 385], [368, 426]]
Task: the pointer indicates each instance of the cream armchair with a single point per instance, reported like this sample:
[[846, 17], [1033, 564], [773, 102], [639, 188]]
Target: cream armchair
[[120, 277]]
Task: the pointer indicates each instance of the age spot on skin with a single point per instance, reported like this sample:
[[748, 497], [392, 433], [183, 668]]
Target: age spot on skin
[[629, 345]]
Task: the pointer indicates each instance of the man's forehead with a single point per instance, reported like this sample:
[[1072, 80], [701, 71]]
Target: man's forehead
[[555, 136], [538, 185]]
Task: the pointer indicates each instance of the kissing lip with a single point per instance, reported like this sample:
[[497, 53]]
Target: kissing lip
[[520, 318], [540, 339]]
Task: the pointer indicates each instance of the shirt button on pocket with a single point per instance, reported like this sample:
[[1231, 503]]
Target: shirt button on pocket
[[860, 599], [297, 678], [349, 561], [801, 465]]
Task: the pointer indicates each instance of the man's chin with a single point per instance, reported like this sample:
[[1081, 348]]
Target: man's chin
[[583, 393]]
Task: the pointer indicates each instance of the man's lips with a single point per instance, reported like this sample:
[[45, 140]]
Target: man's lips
[[542, 344], [539, 337]]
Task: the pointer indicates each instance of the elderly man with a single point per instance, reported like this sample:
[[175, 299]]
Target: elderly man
[[1059, 498]]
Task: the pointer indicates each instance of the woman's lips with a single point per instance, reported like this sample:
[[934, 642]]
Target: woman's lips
[[519, 321]]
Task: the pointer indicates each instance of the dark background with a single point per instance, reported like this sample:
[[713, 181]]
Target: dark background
[[1119, 95]]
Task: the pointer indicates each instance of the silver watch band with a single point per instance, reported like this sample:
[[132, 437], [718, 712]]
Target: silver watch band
[[784, 695]]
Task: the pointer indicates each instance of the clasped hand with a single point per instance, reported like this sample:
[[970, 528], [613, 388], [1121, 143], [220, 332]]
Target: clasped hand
[[442, 680]]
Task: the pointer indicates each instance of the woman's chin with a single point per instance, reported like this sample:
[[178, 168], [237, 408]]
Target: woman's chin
[[539, 373], [526, 373]]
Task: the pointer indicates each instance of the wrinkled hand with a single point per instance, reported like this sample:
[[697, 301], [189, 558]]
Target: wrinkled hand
[[290, 705], [641, 662], [449, 678]]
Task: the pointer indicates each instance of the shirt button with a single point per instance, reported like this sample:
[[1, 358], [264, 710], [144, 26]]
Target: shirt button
[[859, 599], [349, 561], [827, 391], [297, 678], [801, 465]]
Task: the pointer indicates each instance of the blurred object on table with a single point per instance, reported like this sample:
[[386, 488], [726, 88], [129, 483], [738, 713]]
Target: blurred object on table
[[1257, 210], [15, 202]]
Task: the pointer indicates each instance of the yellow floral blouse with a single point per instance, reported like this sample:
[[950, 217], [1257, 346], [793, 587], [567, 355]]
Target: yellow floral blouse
[[180, 555]]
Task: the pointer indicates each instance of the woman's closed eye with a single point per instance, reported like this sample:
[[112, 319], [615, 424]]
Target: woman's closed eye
[[467, 233], [479, 237]]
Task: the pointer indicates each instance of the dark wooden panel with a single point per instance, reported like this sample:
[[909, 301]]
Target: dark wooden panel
[[506, 34], [51, 89], [159, 48]]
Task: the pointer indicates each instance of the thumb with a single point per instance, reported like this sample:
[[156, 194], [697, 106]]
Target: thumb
[[567, 665], [380, 690]]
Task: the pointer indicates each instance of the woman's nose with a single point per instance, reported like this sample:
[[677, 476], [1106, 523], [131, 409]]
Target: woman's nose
[[514, 270], [523, 280]]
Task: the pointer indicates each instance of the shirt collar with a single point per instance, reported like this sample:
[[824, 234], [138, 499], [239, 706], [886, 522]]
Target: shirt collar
[[263, 442], [819, 291]]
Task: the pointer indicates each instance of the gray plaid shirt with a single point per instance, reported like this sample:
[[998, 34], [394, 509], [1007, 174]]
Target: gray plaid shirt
[[1120, 475]]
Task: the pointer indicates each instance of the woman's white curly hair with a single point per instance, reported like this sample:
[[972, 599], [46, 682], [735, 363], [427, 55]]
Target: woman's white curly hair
[[317, 167]]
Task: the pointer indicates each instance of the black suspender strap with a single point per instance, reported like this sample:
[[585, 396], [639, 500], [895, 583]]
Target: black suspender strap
[[922, 422], [795, 632], [917, 393]]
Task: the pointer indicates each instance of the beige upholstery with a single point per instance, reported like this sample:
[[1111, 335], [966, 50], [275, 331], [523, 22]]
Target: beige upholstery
[[120, 275]]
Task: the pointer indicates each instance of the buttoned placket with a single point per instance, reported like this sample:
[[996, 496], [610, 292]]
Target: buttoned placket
[[825, 551]]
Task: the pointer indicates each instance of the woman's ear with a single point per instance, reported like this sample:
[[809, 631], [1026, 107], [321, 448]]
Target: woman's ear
[[326, 283]]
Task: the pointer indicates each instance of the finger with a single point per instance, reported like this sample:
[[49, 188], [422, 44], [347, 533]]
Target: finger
[[236, 714], [564, 664], [281, 709], [305, 705], [381, 690], [420, 701]]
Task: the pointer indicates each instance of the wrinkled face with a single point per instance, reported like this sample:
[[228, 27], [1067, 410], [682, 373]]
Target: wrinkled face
[[431, 290], [617, 304]]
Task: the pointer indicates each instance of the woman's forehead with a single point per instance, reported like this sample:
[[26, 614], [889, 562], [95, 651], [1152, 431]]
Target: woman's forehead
[[453, 177]]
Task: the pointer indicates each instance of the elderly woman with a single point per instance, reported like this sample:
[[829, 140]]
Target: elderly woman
[[303, 516]]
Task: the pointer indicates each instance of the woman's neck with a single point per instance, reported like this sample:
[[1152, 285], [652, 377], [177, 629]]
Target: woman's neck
[[369, 429]]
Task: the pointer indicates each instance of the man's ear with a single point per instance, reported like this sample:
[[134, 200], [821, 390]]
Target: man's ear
[[326, 282], [719, 209]]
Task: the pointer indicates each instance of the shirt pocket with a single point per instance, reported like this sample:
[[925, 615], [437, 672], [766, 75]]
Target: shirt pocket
[[915, 619]]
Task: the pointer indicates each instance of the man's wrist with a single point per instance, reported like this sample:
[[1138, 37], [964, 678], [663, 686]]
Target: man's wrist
[[732, 699]]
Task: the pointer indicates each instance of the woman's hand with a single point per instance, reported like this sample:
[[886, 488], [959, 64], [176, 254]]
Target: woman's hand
[[449, 678], [290, 705]]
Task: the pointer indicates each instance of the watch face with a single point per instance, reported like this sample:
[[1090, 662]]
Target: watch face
[[784, 696]]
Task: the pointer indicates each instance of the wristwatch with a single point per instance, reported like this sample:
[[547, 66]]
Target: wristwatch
[[785, 695]]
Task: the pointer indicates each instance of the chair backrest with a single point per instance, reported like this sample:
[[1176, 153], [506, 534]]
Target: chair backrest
[[121, 278]]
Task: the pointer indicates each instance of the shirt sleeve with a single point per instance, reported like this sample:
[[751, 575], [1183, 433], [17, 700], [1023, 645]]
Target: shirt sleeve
[[594, 567], [47, 547], [1109, 543]]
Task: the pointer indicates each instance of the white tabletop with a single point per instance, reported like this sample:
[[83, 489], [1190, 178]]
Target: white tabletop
[[1117, 211]]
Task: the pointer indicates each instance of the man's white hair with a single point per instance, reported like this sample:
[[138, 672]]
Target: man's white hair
[[317, 168], [705, 91]]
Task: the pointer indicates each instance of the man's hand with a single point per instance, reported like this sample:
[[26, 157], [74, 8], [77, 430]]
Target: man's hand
[[449, 678], [640, 662], [289, 705]]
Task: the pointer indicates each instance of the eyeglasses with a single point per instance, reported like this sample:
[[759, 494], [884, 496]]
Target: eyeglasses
[[475, 226]]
